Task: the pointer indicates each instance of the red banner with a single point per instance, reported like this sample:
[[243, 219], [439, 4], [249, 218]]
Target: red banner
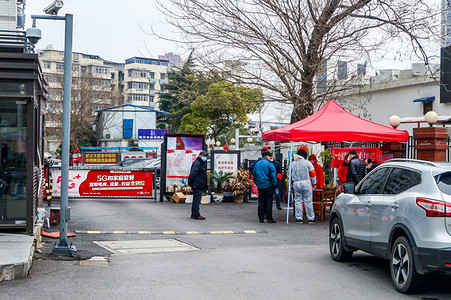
[[339, 155], [98, 183]]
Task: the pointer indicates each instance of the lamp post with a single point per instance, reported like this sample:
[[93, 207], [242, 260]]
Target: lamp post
[[394, 121], [63, 247]]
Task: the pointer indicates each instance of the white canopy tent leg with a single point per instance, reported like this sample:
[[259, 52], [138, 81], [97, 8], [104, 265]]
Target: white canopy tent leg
[[289, 181]]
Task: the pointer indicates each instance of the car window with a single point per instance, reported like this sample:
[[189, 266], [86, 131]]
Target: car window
[[444, 182], [401, 180], [373, 183]]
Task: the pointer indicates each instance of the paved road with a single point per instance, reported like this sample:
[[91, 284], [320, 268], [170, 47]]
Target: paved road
[[278, 261]]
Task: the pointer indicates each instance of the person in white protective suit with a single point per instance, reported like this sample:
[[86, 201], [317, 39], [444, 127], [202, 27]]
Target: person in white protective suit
[[303, 177]]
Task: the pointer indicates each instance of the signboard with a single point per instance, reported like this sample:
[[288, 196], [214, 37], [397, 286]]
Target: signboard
[[104, 158], [339, 155], [105, 183], [181, 151], [133, 154], [227, 162], [151, 134]]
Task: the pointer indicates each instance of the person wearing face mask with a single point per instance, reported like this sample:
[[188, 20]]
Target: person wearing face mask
[[318, 171], [342, 171], [197, 180], [356, 169], [370, 164]]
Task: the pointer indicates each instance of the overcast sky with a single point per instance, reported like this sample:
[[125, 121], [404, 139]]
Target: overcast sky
[[108, 28]]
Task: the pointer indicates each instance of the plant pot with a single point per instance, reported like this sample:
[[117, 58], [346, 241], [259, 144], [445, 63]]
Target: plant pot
[[238, 199]]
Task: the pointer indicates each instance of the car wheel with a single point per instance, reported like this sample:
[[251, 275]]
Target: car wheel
[[402, 267], [336, 246]]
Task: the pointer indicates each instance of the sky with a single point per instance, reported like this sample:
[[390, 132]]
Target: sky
[[113, 29]]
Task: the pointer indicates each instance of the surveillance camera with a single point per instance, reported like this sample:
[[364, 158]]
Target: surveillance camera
[[54, 7], [33, 35]]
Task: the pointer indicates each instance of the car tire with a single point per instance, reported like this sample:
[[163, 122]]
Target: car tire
[[402, 268], [336, 246]]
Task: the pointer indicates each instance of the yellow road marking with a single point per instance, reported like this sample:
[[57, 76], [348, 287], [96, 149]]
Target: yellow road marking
[[144, 232], [249, 231], [192, 232], [168, 232], [94, 232], [120, 231]]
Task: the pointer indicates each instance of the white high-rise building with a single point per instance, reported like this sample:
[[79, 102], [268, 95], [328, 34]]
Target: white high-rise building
[[446, 23]]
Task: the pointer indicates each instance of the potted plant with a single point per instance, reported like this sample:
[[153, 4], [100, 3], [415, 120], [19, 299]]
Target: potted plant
[[220, 178], [241, 186]]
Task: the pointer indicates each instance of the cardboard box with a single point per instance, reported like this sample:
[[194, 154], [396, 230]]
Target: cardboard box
[[179, 197]]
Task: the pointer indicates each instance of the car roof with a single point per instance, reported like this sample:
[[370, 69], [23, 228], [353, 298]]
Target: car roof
[[421, 165]]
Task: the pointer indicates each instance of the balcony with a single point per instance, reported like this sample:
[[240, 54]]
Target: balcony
[[163, 81]]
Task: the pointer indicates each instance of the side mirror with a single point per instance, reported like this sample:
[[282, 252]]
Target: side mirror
[[349, 187]]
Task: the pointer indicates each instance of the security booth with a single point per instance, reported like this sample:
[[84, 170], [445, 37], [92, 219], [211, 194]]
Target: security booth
[[22, 91]]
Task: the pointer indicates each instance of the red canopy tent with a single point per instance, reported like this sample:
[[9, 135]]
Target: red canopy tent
[[333, 123]]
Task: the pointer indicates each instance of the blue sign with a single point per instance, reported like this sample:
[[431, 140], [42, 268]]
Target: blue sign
[[151, 134]]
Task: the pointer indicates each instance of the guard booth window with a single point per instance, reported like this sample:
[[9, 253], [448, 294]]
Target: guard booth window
[[13, 137]]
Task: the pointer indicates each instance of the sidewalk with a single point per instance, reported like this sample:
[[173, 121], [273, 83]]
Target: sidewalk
[[16, 255]]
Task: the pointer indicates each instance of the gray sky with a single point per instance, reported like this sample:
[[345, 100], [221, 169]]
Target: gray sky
[[108, 28]]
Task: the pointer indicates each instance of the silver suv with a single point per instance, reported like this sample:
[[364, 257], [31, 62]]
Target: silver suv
[[401, 211]]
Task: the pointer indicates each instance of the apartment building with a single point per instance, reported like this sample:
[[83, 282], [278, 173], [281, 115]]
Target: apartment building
[[92, 87], [143, 79], [12, 15]]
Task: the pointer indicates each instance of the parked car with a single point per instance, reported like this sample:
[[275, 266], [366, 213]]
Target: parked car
[[401, 211]]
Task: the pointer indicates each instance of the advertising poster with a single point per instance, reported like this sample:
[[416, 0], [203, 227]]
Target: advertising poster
[[180, 155], [339, 155], [100, 158], [105, 183], [178, 168]]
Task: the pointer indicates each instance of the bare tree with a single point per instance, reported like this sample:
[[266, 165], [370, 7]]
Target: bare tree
[[288, 43], [89, 93]]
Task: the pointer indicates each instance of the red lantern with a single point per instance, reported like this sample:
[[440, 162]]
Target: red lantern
[[225, 147]]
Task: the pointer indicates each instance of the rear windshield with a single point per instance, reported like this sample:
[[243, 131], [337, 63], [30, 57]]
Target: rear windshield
[[444, 182]]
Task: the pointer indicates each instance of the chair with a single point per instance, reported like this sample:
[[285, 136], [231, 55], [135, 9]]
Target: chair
[[323, 198]]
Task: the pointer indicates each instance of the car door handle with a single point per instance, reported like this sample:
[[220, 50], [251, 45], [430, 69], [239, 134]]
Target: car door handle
[[394, 205], [368, 204]]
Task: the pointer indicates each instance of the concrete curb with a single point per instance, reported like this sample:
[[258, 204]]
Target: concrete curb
[[21, 268]]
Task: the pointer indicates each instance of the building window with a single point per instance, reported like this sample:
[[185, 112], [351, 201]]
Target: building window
[[138, 97], [427, 107], [47, 65], [163, 76], [60, 66], [83, 69], [152, 86], [74, 68], [152, 75], [101, 70]]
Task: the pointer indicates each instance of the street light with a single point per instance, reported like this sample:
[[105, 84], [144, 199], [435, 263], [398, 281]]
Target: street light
[[33, 34], [249, 140], [218, 143], [431, 117], [394, 121], [232, 141]]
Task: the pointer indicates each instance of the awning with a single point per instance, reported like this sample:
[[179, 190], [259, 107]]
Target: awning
[[425, 99]]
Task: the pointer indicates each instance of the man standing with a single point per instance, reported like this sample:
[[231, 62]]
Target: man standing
[[197, 180], [265, 178], [370, 165], [303, 178], [356, 168], [278, 167]]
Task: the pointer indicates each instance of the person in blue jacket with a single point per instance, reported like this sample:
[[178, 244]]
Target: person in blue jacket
[[265, 177]]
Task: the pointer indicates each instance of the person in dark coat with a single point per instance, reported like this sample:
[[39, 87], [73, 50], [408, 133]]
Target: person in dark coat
[[197, 180], [278, 167], [264, 176], [356, 169], [370, 164]]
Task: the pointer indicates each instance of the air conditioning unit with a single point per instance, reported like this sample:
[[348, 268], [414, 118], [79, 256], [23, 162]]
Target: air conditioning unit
[[75, 59]]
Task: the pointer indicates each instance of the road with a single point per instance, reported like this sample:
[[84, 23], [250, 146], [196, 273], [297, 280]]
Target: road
[[228, 256]]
